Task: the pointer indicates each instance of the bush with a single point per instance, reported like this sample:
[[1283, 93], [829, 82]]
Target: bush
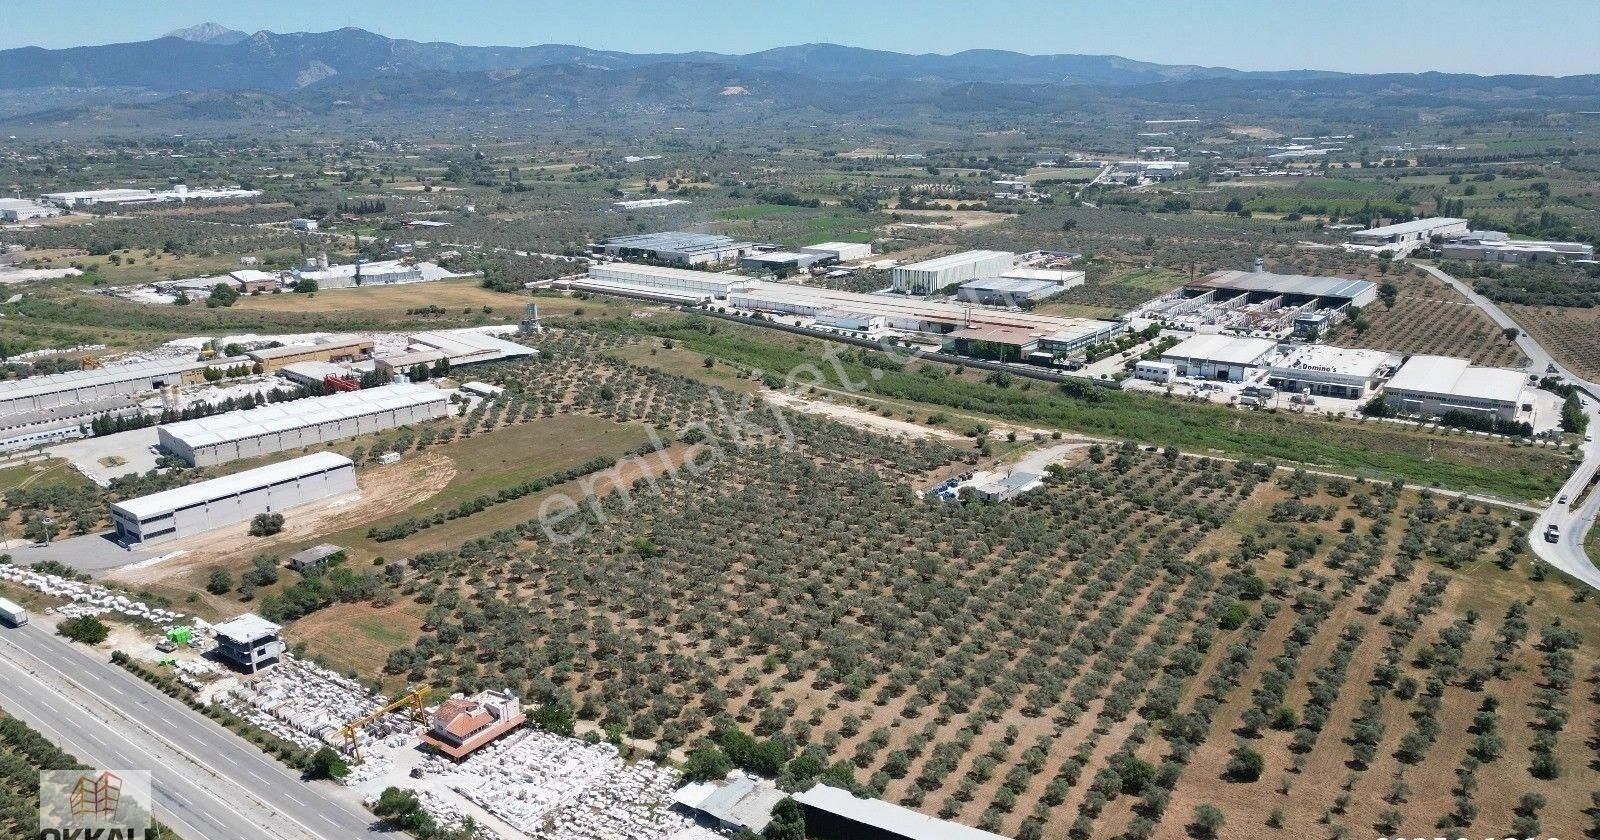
[[266, 524], [86, 629]]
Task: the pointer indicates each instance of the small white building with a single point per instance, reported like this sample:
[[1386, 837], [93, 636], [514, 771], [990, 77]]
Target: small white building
[[231, 499], [1160, 372], [249, 641], [303, 225], [1224, 358]]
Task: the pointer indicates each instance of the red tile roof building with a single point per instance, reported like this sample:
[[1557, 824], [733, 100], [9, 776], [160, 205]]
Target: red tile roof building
[[463, 724]]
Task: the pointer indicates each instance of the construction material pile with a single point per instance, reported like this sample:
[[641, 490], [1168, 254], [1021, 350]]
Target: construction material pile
[[556, 788], [306, 705], [88, 598]]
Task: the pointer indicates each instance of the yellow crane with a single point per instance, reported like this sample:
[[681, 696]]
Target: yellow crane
[[413, 701]]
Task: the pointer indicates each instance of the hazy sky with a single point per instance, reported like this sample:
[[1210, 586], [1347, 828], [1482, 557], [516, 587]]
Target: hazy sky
[[1556, 37]]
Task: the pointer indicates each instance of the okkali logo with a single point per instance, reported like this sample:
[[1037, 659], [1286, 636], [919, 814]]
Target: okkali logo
[[94, 805]]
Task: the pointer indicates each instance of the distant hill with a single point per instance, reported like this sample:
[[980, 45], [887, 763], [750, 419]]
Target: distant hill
[[209, 33], [212, 56], [213, 73]]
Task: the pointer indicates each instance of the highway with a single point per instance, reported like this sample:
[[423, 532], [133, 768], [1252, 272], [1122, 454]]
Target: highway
[[208, 784], [1573, 524]]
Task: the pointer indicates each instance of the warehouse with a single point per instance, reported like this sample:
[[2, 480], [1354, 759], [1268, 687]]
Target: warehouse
[[1495, 246], [1324, 371], [840, 252], [1261, 303], [345, 349], [1432, 386], [467, 346], [1224, 358], [1407, 233], [1003, 291], [207, 505], [676, 248], [22, 210], [675, 285], [836, 814], [782, 263], [37, 393], [276, 427], [929, 276], [1051, 333], [62, 422]]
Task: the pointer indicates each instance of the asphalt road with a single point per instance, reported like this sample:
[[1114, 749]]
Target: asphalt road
[[208, 784], [1573, 524]]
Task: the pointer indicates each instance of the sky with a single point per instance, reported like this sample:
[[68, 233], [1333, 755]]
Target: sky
[[1548, 37]]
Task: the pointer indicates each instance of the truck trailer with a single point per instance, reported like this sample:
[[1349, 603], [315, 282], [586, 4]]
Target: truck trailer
[[12, 614]]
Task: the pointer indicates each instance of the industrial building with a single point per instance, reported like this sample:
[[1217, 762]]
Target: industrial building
[[1153, 170], [1008, 291], [37, 393], [780, 262], [1039, 333], [62, 422], [249, 642], [836, 814], [1495, 246], [739, 802], [1323, 371], [23, 210], [461, 725], [674, 285], [1162, 373], [179, 192], [1261, 303], [1224, 358], [253, 280], [342, 349], [303, 225], [276, 427], [467, 346], [400, 364], [385, 273], [1432, 386], [840, 252], [929, 276], [231, 499], [1066, 278], [1408, 233], [676, 248]]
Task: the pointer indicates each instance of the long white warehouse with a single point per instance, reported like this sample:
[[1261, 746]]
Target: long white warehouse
[[221, 438], [929, 276], [1432, 386], [37, 393], [676, 285], [207, 505]]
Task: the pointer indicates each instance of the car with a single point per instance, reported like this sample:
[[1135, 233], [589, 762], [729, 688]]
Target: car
[[1552, 534], [1562, 500], [1588, 437]]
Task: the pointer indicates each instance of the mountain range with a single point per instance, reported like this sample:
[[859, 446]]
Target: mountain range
[[211, 71]]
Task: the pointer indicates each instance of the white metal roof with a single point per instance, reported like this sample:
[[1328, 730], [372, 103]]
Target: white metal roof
[[1323, 358], [764, 295], [1293, 284], [246, 628], [278, 417], [297, 349], [231, 485], [49, 384], [963, 258], [461, 344], [1413, 226], [1226, 349], [887, 817], [1451, 377]]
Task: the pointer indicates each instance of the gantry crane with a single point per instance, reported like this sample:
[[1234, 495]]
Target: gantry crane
[[412, 700]]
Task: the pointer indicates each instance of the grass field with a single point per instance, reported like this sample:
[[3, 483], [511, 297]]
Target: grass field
[[795, 226], [394, 300]]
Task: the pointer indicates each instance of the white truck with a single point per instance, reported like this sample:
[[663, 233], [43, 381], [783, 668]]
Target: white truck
[[12, 614]]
